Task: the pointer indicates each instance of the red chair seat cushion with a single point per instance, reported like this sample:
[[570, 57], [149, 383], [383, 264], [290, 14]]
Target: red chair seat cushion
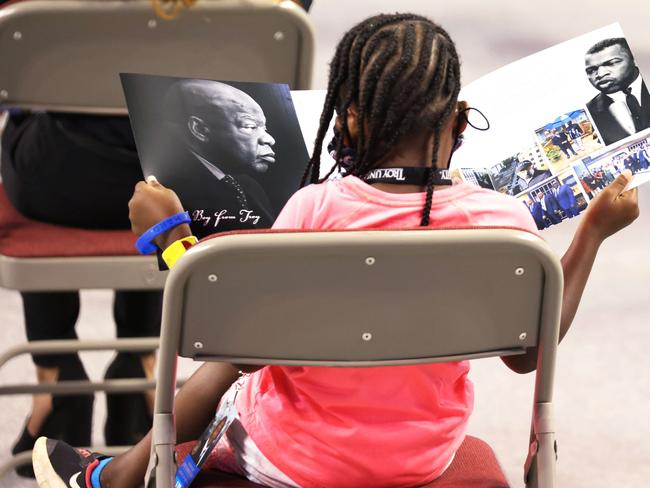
[[21, 237], [475, 466]]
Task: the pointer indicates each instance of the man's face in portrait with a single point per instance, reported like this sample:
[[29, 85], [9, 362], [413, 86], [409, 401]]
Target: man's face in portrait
[[611, 69], [228, 128], [240, 139]]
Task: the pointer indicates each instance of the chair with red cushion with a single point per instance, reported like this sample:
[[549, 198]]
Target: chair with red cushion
[[495, 292], [35, 256], [80, 47], [39, 256]]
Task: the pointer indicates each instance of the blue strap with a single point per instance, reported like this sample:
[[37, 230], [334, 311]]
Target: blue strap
[[144, 243], [186, 472], [94, 476]]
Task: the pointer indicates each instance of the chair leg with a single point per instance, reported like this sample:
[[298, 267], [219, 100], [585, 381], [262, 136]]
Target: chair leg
[[161, 471], [540, 467], [546, 460]]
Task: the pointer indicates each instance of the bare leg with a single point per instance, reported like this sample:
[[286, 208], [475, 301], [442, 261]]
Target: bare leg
[[194, 407], [42, 403], [149, 366]]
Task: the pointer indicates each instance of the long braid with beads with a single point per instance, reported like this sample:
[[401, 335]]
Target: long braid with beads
[[402, 73]]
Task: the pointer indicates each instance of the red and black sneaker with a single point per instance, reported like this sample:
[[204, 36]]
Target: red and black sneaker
[[59, 465]]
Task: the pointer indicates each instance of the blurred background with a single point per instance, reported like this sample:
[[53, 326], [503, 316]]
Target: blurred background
[[602, 385], [491, 34]]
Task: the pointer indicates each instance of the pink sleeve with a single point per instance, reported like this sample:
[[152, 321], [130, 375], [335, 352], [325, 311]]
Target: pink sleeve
[[295, 211], [524, 220], [489, 208]]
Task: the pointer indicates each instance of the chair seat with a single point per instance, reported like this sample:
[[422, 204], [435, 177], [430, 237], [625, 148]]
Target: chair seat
[[21, 237], [475, 466]]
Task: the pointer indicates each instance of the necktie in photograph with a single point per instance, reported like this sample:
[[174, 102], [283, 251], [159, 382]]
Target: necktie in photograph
[[239, 191], [634, 106]]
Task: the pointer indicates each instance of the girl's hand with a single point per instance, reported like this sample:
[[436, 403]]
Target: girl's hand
[[613, 208], [151, 203]]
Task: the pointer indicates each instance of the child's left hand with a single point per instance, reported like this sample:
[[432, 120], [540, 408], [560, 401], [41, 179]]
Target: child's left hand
[[613, 208]]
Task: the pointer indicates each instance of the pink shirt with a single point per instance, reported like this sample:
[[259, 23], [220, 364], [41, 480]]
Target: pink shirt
[[388, 426]]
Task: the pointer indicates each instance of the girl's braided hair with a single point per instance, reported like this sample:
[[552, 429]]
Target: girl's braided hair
[[403, 74]]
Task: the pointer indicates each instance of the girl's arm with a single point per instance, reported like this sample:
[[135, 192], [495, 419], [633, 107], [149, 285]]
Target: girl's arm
[[152, 202], [612, 210]]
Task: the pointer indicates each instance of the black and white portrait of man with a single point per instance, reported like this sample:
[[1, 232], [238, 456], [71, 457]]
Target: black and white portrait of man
[[622, 107], [214, 145]]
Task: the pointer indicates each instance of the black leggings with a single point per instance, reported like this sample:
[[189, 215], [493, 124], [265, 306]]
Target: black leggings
[[53, 315], [76, 171]]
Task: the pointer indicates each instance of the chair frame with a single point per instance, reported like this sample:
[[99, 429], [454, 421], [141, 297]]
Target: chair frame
[[49, 39], [162, 49], [522, 261]]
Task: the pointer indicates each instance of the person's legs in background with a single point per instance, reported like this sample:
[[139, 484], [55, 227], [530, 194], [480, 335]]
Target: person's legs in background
[[76, 171], [69, 417], [129, 415]]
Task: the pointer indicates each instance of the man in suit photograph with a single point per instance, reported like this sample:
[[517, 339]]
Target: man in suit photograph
[[622, 107], [566, 198], [217, 144], [643, 159], [575, 132], [559, 138], [538, 212], [552, 207]]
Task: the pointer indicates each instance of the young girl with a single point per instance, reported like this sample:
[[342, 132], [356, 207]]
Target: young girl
[[394, 84]]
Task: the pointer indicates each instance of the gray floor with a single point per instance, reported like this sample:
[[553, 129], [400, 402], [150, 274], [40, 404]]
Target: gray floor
[[602, 382]]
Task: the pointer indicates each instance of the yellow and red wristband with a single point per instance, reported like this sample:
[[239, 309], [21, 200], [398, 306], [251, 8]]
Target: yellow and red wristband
[[176, 249]]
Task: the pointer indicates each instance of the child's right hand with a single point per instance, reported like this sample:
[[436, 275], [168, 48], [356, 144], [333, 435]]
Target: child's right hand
[[151, 203], [613, 208]]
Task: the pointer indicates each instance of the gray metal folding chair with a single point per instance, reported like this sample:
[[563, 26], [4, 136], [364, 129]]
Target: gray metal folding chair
[[80, 47], [469, 294]]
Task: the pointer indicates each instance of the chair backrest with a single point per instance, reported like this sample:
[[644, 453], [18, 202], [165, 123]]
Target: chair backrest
[[66, 55], [361, 298]]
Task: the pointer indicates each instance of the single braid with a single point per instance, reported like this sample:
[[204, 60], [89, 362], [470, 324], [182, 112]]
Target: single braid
[[426, 210], [337, 76]]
